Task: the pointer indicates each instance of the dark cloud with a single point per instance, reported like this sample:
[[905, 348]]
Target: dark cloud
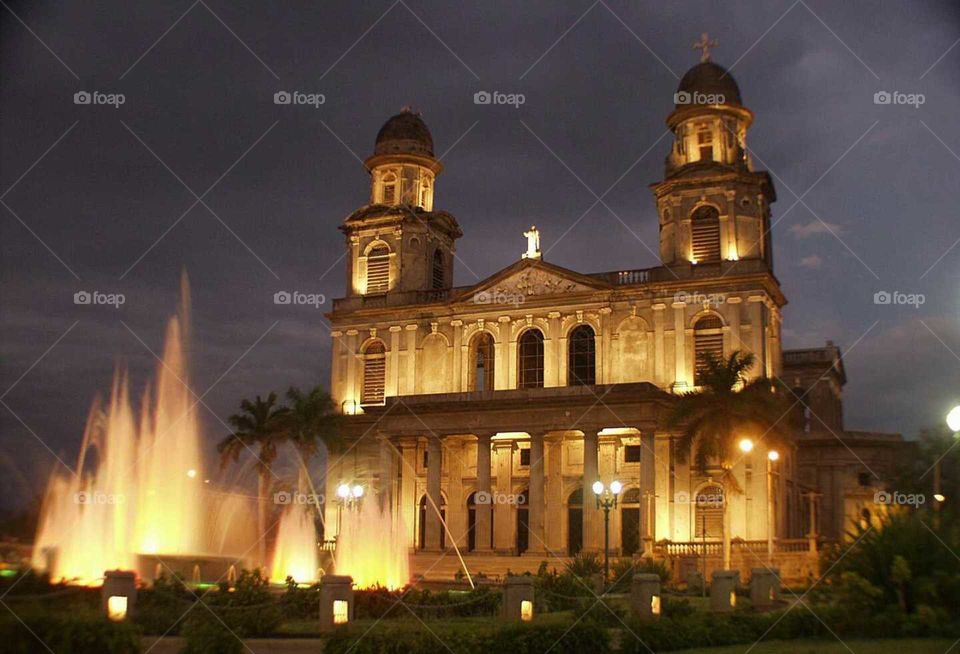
[[203, 95]]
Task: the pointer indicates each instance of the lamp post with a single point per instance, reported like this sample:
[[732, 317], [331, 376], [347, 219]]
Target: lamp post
[[953, 424], [772, 456], [606, 500], [348, 496]]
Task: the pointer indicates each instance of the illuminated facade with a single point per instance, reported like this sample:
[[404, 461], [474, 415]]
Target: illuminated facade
[[501, 402]]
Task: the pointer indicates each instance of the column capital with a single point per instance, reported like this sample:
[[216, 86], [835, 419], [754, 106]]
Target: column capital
[[504, 443], [411, 327], [734, 300], [352, 332], [396, 328], [606, 439], [679, 305], [456, 323], [336, 333], [659, 306]]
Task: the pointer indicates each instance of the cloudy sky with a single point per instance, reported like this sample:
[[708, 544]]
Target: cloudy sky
[[198, 169]]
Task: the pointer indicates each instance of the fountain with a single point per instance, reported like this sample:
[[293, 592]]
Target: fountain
[[139, 499], [371, 547], [295, 553]]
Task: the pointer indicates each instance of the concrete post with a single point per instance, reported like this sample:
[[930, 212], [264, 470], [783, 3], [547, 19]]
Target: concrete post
[[723, 590], [336, 601], [764, 587], [518, 595], [645, 596], [119, 594]]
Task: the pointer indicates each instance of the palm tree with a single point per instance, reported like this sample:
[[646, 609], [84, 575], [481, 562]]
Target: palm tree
[[259, 424], [311, 421], [715, 416]]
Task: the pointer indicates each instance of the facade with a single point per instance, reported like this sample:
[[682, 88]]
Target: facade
[[498, 404]]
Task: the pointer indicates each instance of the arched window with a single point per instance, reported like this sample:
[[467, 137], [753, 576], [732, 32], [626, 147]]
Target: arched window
[[705, 228], [439, 276], [374, 373], [582, 357], [378, 270], [708, 512], [482, 362], [707, 342], [530, 354], [425, 195], [389, 193]]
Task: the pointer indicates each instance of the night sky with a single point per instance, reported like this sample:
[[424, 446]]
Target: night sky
[[198, 169]]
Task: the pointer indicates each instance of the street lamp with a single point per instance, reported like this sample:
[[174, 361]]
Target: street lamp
[[953, 419], [606, 500], [772, 456], [746, 445]]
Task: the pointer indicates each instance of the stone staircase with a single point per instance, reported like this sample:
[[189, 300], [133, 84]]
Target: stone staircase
[[443, 566]]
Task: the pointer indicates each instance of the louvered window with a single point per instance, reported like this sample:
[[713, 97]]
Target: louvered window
[[705, 225], [439, 278], [705, 144], [708, 342], [374, 374], [378, 270], [709, 512], [389, 195]]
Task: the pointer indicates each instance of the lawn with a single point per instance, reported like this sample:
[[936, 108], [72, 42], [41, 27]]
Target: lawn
[[912, 646]]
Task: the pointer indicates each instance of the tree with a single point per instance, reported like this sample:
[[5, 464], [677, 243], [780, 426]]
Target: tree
[[311, 421], [259, 424], [725, 408]]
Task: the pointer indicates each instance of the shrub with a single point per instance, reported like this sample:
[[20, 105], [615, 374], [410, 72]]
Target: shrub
[[383, 603], [77, 632], [161, 607], [585, 565], [559, 592], [248, 611]]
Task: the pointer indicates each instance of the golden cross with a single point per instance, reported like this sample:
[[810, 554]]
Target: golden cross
[[704, 44]]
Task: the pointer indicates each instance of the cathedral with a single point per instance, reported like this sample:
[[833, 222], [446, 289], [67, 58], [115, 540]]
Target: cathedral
[[482, 416]]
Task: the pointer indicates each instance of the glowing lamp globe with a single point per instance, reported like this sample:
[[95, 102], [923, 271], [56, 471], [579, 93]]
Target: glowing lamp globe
[[953, 419], [343, 491], [358, 491], [746, 445], [597, 487], [616, 487], [773, 455]]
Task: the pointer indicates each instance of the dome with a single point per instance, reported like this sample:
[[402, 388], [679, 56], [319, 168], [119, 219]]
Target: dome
[[704, 80], [405, 133]]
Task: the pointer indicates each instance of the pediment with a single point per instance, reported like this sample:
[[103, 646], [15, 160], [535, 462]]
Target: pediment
[[531, 280]]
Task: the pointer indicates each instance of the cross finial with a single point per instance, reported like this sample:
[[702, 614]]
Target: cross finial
[[704, 44]]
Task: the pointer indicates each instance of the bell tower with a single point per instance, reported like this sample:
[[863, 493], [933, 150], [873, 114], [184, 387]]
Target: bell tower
[[397, 243], [712, 205]]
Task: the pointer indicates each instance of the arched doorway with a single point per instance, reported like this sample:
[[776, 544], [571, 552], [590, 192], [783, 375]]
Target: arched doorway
[[523, 523], [708, 512], [630, 522], [422, 536], [575, 522]]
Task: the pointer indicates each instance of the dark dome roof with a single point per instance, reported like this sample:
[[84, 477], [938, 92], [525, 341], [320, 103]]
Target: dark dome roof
[[706, 79], [405, 133]]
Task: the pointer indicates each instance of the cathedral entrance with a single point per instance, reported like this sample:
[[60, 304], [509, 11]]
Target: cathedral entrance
[[422, 536], [630, 522], [523, 523], [575, 522]]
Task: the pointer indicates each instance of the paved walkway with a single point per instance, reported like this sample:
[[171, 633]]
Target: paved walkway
[[257, 645]]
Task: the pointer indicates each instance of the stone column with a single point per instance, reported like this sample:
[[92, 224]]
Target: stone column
[[504, 516], [456, 499], [537, 540], [408, 384], [679, 342], [388, 475], [658, 353], [432, 524], [648, 517], [407, 506], [455, 377], [393, 369], [553, 526], [592, 517], [484, 522]]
